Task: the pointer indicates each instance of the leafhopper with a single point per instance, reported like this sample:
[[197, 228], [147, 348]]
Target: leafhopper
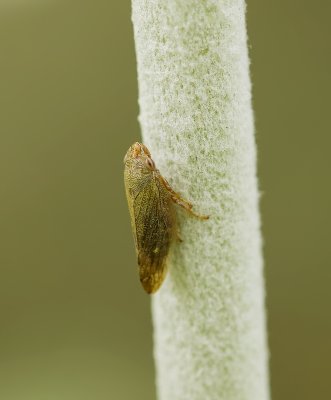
[[151, 202]]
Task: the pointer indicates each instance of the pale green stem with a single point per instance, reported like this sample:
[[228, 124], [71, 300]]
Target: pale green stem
[[197, 120]]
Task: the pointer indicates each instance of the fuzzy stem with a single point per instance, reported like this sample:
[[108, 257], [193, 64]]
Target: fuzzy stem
[[197, 120]]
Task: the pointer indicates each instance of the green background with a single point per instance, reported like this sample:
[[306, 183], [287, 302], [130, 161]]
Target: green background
[[75, 323]]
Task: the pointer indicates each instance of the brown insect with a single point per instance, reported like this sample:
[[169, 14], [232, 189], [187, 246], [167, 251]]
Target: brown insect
[[151, 204]]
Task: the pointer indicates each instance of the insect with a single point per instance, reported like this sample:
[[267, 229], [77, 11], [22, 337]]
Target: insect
[[151, 204]]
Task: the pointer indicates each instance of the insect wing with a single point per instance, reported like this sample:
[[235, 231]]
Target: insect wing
[[153, 219]]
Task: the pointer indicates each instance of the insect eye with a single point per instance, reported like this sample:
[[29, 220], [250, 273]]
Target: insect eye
[[150, 163]]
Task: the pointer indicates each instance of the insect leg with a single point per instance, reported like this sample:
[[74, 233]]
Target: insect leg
[[178, 236], [176, 198]]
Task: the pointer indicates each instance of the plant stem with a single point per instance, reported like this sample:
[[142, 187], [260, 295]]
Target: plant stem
[[197, 120]]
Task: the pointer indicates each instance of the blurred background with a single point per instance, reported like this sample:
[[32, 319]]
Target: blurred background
[[75, 323]]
